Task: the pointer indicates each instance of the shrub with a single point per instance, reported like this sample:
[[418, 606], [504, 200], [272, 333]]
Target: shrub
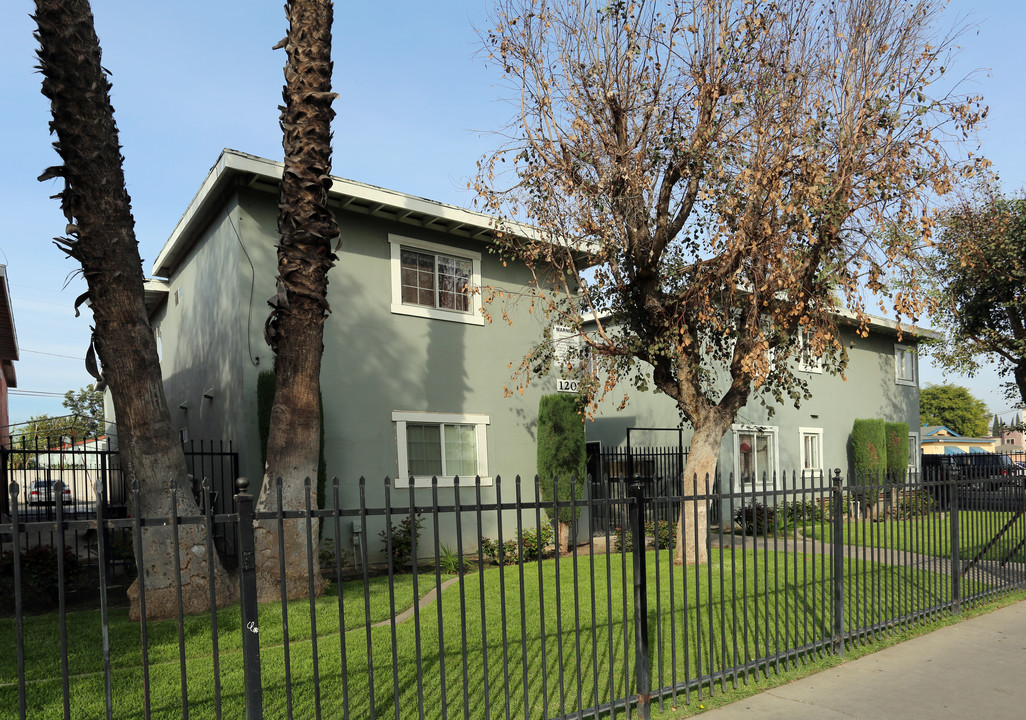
[[663, 532], [508, 552], [913, 504], [562, 460], [39, 580], [402, 539], [869, 448], [624, 541], [756, 519], [897, 450], [449, 562], [327, 553], [799, 513]]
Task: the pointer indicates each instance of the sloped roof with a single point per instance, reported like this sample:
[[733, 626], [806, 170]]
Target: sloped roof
[[928, 430], [8, 335], [234, 167]]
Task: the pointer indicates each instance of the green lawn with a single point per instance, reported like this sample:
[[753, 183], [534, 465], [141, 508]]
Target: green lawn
[[762, 604], [931, 535]]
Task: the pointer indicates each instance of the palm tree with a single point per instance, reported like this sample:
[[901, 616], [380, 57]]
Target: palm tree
[[295, 328], [101, 237]]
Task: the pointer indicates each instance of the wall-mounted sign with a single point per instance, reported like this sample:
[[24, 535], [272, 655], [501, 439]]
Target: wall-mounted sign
[[567, 386]]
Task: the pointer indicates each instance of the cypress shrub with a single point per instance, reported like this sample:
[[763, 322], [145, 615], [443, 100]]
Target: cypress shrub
[[897, 450], [562, 462], [869, 447], [266, 384]]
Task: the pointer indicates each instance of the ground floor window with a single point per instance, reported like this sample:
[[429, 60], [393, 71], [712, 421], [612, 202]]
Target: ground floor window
[[442, 445], [811, 452], [913, 452], [755, 455]]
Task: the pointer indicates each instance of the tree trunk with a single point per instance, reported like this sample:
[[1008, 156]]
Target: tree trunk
[[701, 464], [102, 238], [295, 329], [563, 541]]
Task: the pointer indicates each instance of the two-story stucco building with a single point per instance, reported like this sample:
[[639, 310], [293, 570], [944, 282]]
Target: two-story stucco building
[[413, 374]]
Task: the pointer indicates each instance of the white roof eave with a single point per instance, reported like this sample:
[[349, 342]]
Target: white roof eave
[[349, 193]]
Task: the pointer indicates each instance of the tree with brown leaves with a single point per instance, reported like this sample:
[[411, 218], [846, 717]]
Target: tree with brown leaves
[[710, 180], [101, 237]]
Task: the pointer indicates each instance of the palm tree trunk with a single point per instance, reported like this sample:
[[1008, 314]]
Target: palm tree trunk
[[101, 236], [295, 329]]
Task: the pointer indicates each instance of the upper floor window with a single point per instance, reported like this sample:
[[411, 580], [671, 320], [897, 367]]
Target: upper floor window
[[904, 365], [807, 361], [434, 281]]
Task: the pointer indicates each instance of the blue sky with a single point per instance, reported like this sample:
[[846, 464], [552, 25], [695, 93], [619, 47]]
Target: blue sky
[[416, 111]]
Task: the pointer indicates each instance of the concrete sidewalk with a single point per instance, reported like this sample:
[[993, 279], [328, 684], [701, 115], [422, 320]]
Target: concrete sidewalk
[[974, 669]]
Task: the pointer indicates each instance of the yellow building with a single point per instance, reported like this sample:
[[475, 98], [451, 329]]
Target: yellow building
[[939, 440]]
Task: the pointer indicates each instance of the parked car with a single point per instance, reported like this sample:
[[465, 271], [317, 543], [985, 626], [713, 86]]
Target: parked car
[[42, 492], [981, 471]]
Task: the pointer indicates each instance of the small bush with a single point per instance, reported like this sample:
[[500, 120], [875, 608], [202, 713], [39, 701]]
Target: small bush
[[756, 519], [402, 539], [663, 532], [799, 513], [508, 553], [915, 503], [449, 562], [624, 541], [327, 555], [39, 580]]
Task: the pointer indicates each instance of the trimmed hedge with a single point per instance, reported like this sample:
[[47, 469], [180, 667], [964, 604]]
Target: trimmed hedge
[[561, 452], [897, 450], [869, 446]]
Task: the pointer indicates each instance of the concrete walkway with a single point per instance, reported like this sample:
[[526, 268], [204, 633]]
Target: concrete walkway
[[970, 670]]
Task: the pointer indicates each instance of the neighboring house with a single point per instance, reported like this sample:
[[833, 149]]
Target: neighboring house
[[1012, 440], [880, 381], [8, 355], [413, 374], [940, 440], [88, 453]]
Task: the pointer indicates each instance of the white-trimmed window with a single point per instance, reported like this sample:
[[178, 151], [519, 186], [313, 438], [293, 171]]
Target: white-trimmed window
[[810, 452], [435, 281], [807, 362], [904, 365], [913, 452], [441, 445], [755, 455]]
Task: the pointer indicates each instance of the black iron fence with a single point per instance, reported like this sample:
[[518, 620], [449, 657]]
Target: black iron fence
[[457, 623], [611, 471], [80, 468]]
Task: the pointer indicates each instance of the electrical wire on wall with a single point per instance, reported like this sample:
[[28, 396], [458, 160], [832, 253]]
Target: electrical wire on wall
[[252, 290]]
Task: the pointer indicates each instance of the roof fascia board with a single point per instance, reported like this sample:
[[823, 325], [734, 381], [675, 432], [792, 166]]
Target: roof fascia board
[[232, 163]]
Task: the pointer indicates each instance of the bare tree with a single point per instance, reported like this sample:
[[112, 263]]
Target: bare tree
[[101, 237], [710, 179], [295, 329]]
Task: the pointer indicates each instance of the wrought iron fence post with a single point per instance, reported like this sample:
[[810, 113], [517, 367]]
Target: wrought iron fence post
[[641, 669], [837, 553], [248, 602], [951, 481]]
